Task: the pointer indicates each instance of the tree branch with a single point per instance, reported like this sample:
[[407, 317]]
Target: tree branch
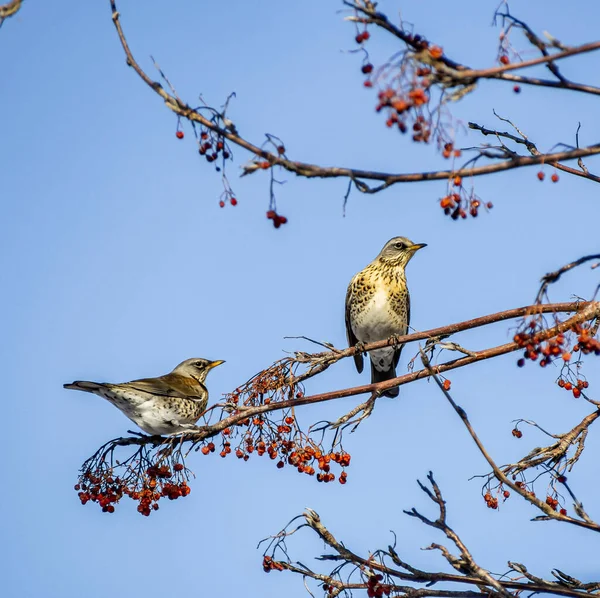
[[225, 129]]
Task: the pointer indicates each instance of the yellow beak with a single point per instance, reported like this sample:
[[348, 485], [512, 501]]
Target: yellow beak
[[418, 246], [214, 364]]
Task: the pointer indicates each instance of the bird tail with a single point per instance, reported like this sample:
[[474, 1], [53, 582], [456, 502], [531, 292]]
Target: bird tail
[[84, 385], [377, 376]]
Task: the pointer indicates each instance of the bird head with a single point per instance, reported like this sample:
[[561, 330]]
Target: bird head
[[196, 368], [398, 251]]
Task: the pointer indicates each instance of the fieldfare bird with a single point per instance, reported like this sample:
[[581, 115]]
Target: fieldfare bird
[[378, 307], [169, 404]]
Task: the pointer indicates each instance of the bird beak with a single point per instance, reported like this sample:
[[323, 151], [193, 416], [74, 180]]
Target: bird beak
[[214, 364], [418, 246]]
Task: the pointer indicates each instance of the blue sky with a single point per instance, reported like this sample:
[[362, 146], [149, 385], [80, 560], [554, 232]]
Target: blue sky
[[118, 264]]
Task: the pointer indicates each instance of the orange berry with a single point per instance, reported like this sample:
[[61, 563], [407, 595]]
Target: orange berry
[[436, 52], [447, 384]]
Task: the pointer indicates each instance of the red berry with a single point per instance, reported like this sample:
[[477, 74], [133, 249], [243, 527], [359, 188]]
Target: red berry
[[563, 511], [233, 201], [368, 83], [554, 178], [367, 68], [540, 175], [504, 59], [221, 204], [282, 219], [271, 214], [517, 89], [179, 134], [366, 35]]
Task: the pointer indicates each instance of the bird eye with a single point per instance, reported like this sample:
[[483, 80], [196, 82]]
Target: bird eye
[[199, 364], [400, 245]]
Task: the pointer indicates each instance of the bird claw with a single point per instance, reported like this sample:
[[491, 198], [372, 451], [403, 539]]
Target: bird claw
[[360, 347], [394, 339]]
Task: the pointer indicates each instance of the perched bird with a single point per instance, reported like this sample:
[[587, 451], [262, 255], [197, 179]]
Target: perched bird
[[169, 404], [378, 307]]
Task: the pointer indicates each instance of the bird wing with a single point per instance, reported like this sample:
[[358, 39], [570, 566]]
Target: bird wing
[[170, 385], [399, 350], [352, 340]]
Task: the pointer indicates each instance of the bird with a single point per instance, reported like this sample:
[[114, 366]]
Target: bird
[[378, 307], [167, 405]]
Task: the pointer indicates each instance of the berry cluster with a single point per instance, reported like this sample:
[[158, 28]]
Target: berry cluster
[[492, 495], [405, 91], [551, 349], [403, 106], [586, 343], [575, 388], [376, 589], [362, 36], [227, 197], [269, 564], [277, 219], [458, 203], [211, 144], [490, 501], [155, 486], [146, 486], [282, 439], [557, 347], [286, 444], [541, 176], [102, 489]]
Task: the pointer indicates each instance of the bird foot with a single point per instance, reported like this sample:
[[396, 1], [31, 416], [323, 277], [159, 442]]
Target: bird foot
[[394, 339], [360, 347]]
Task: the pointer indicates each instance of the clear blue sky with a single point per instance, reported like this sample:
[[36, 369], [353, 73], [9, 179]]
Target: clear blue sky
[[117, 263]]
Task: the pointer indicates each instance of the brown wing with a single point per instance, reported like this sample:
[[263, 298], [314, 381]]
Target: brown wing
[[352, 340], [170, 385], [399, 350]]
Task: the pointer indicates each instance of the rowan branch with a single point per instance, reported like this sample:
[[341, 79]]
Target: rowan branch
[[383, 572], [502, 474], [225, 129], [259, 416], [456, 73]]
